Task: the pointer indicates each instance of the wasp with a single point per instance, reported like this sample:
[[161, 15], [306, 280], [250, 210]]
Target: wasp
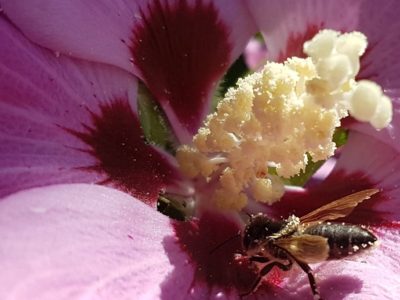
[[309, 239]]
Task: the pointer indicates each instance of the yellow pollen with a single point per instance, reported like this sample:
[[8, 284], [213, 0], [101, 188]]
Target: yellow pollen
[[276, 116]]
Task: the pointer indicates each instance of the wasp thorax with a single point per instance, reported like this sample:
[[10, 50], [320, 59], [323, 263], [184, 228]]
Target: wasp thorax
[[279, 117]]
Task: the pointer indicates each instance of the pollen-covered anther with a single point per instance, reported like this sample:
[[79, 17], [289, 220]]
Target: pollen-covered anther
[[193, 163], [268, 190], [280, 117], [228, 200]]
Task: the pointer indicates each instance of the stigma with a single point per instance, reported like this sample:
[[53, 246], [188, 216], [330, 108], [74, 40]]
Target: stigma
[[280, 117]]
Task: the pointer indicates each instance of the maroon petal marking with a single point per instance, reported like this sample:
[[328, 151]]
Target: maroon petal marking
[[206, 242], [180, 51], [296, 40], [116, 140], [338, 184]]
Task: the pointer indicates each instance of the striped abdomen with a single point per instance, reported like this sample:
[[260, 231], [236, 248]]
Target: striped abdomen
[[343, 239]]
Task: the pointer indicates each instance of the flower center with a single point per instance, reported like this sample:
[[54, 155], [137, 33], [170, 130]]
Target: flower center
[[269, 126]]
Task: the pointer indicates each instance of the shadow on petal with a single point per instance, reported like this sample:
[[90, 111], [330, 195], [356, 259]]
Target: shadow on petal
[[340, 286]]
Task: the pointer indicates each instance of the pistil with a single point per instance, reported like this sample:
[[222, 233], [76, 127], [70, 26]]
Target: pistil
[[281, 116]]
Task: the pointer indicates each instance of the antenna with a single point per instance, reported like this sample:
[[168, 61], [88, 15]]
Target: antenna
[[248, 214], [225, 242]]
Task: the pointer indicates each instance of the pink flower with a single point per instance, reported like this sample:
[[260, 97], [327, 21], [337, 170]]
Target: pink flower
[[69, 119]]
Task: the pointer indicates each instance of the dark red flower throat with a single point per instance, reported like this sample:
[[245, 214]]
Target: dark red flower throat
[[181, 51], [116, 140]]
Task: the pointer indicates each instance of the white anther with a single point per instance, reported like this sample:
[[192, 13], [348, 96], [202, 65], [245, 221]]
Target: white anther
[[384, 113], [335, 69], [352, 44], [321, 45], [364, 102]]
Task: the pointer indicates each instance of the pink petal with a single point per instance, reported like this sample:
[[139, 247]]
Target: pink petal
[[179, 48], [375, 272], [379, 163], [380, 62], [365, 269], [380, 23], [71, 121], [92, 242], [87, 242], [92, 30], [255, 54], [287, 24]]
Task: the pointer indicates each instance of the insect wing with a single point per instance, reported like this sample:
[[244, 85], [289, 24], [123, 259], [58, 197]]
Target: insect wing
[[306, 247], [339, 208]]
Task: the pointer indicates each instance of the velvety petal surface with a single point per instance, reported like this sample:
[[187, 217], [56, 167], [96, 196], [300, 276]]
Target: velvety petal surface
[[178, 48], [64, 120], [92, 242], [380, 63], [376, 164], [84, 242], [91, 30], [287, 24]]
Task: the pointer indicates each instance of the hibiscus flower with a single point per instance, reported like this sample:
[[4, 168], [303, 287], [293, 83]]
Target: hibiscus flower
[[69, 117]]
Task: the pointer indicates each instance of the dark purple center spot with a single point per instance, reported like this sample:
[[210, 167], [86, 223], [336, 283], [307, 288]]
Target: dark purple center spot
[[212, 243], [181, 50], [295, 42], [338, 184], [115, 139]]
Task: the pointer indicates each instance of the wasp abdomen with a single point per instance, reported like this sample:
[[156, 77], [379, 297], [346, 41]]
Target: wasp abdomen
[[343, 239]]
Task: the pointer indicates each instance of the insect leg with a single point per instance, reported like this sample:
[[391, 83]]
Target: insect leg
[[306, 268], [258, 258], [265, 270], [313, 284]]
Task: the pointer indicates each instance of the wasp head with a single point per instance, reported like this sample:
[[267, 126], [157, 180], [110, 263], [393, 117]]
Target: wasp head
[[259, 229]]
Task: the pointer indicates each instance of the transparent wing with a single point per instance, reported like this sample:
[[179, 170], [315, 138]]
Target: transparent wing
[[306, 247], [339, 208]]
